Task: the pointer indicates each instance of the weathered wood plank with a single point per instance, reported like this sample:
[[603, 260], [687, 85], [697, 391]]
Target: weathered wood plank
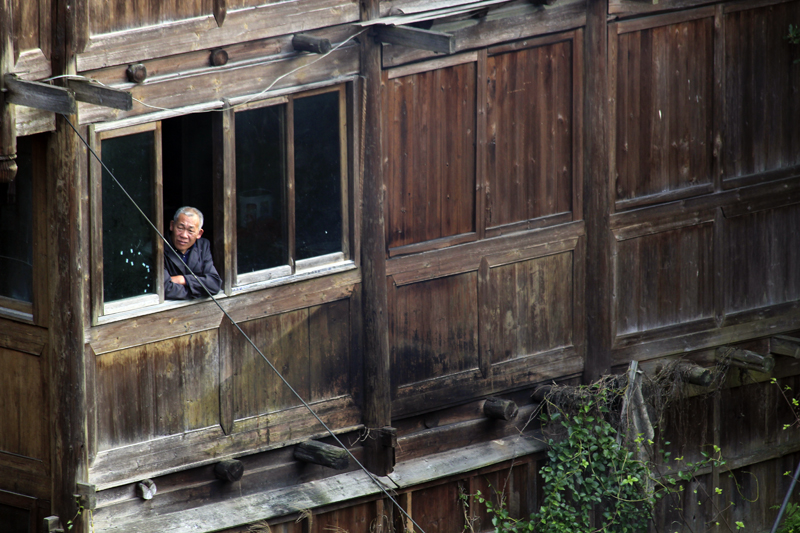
[[120, 466], [22, 337], [409, 36], [39, 95], [139, 44]]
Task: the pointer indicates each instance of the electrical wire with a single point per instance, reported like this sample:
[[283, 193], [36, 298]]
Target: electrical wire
[[247, 338]]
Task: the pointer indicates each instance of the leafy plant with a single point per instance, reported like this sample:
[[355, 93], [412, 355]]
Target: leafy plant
[[791, 520]]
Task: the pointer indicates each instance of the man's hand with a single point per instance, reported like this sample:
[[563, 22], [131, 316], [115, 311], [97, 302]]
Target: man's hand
[[180, 280]]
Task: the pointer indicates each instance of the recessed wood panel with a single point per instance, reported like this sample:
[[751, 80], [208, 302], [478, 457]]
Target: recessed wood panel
[[762, 109], [430, 153], [309, 347], [664, 108], [664, 279], [529, 133], [159, 389], [31, 19], [532, 304], [433, 328], [22, 404], [762, 259]]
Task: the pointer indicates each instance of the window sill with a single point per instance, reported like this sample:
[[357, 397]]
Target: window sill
[[310, 273]]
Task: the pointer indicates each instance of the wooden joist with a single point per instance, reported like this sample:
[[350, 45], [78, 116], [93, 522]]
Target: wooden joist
[[695, 374], [500, 409], [230, 470], [93, 93], [433, 41], [319, 453], [39, 95], [745, 359], [785, 345], [307, 43]]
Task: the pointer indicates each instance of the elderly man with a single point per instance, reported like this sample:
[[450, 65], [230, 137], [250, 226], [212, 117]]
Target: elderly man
[[186, 230]]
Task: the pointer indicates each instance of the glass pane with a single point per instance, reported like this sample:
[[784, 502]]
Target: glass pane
[[128, 246], [260, 167], [16, 228], [317, 175]]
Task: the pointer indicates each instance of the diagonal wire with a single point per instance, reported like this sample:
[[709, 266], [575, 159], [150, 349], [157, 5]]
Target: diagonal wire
[[249, 340]]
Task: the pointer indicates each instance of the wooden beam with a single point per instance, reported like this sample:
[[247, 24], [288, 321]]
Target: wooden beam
[[695, 374], [93, 93], [230, 470], [745, 359], [39, 95], [319, 453], [307, 43], [500, 409], [433, 41], [8, 119], [785, 345]]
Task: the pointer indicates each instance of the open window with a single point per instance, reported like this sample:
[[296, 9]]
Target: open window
[[17, 233], [291, 192]]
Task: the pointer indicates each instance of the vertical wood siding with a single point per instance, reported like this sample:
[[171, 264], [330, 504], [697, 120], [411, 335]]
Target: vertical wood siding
[[534, 306], [30, 18], [107, 16], [762, 108], [529, 137], [311, 349], [434, 328], [664, 279], [159, 389], [430, 147], [761, 259], [664, 102], [22, 405]]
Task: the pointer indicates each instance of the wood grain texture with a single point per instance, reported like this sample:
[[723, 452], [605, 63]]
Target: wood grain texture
[[430, 144], [164, 388], [761, 259], [664, 279], [762, 111], [533, 302], [530, 133], [22, 402], [664, 109], [434, 329]]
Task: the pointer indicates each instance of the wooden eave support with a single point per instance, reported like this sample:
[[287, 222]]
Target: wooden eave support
[[745, 359], [695, 374], [93, 93], [319, 453], [785, 345], [433, 41], [87, 495], [230, 470], [500, 409], [308, 43], [39, 95]]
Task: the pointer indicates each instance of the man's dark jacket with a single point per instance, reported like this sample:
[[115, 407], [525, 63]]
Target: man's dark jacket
[[199, 261]]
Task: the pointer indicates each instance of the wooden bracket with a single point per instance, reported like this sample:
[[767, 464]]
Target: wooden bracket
[[319, 453], [695, 374], [52, 524], [500, 409], [87, 496], [433, 41], [93, 93], [39, 95], [785, 345], [230, 470], [745, 359], [306, 43]]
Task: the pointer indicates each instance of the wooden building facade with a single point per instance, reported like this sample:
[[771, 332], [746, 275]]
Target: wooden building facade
[[444, 201]]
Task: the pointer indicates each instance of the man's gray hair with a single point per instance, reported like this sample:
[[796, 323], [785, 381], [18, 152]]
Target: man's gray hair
[[189, 211]]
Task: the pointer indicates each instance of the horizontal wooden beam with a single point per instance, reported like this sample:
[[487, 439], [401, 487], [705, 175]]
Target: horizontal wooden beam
[[39, 95], [433, 41], [308, 43], [785, 345], [745, 359], [93, 93], [319, 453]]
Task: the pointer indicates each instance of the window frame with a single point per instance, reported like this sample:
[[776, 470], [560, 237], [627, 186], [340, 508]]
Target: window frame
[[294, 268], [223, 192], [99, 307]]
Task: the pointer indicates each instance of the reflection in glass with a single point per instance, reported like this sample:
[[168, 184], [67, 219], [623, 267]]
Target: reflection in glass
[[261, 235], [16, 228], [317, 160], [128, 247]]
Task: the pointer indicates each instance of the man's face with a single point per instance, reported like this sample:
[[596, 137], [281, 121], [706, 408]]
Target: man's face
[[185, 232]]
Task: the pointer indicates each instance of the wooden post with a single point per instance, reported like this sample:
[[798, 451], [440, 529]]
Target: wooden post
[[596, 199], [8, 119], [66, 250], [377, 398]]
